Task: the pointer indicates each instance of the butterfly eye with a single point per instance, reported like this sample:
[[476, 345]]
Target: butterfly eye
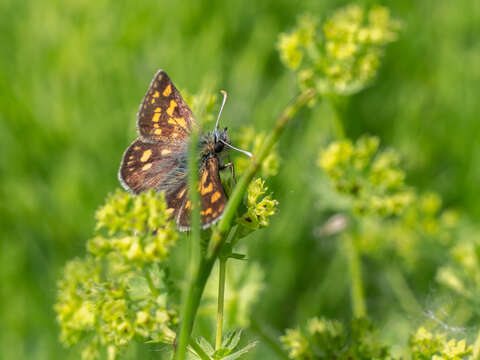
[[218, 147]]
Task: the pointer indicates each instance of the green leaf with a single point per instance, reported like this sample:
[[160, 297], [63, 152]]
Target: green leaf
[[240, 352], [231, 339]]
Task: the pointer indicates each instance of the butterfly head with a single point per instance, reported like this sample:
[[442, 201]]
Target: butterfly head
[[220, 138]]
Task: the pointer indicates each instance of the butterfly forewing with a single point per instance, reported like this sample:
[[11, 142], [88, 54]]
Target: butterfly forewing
[[147, 165], [212, 197], [164, 115]]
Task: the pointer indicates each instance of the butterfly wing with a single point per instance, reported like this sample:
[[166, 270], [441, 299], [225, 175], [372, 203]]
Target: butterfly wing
[[150, 166], [212, 198], [164, 115]]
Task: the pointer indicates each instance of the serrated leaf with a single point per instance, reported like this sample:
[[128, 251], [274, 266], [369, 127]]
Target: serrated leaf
[[231, 339], [205, 345], [240, 352]]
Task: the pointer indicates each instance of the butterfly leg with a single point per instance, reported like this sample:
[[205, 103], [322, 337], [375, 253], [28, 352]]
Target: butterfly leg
[[232, 169]]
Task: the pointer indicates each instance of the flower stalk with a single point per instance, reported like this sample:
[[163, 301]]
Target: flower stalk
[[221, 299]]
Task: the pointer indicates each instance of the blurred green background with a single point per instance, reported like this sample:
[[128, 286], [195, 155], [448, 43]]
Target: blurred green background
[[73, 73]]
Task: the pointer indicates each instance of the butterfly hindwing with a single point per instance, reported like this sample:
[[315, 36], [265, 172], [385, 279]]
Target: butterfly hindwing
[[164, 115], [212, 197], [147, 165]]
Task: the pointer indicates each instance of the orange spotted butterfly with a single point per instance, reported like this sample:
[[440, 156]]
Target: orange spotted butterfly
[[158, 158]]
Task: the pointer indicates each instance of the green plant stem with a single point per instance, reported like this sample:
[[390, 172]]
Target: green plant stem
[[194, 262], [221, 297], [402, 291], [198, 349], [337, 118], [356, 282], [192, 301], [269, 339], [150, 283], [196, 286]]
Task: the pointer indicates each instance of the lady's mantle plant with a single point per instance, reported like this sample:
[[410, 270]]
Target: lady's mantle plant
[[121, 289]]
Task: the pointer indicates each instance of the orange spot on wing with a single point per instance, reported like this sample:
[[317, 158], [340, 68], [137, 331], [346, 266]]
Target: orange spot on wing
[[216, 195], [156, 117], [188, 205], [204, 178], [181, 121], [146, 166], [170, 211], [165, 152], [158, 132], [153, 101], [172, 107], [158, 109], [146, 155], [206, 189], [156, 95], [168, 90]]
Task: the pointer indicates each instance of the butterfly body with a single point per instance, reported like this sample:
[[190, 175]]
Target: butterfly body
[[158, 159]]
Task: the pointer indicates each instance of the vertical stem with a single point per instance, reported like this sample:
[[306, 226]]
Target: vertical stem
[[221, 298], [192, 301], [197, 270], [356, 282], [337, 118], [402, 291], [357, 295]]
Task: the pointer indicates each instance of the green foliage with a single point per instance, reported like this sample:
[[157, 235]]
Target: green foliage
[[370, 179], [121, 288], [229, 349], [251, 140], [327, 339], [344, 58]]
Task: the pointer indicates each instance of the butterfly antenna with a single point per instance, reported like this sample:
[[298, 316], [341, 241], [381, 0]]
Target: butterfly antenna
[[249, 154], [221, 108]]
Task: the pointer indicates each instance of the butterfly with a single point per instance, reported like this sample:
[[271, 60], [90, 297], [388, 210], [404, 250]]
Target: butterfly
[[157, 159]]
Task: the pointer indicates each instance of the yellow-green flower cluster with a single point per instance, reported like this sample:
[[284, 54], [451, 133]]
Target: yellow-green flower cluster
[[345, 57], [327, 339], [137, 228], [121, 288], [252, 141], [296, 344], [259, 207], [372, 180], [75, 311], [462, 273], [425, 345], [404, 236]]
